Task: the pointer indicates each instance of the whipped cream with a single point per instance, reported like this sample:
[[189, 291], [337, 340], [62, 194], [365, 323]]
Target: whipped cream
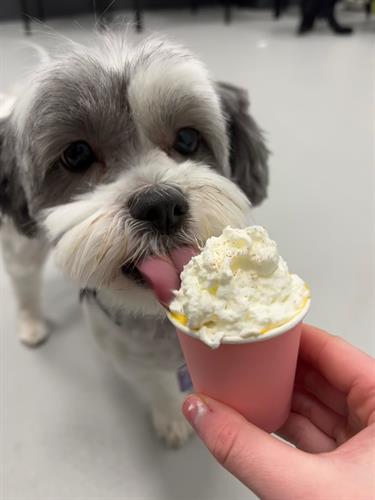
[[237, 287]]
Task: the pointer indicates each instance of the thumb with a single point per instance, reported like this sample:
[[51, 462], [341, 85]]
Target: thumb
[[266, 465]]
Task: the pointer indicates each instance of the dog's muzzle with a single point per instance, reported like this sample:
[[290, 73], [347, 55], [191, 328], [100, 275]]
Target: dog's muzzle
[[163, 207]]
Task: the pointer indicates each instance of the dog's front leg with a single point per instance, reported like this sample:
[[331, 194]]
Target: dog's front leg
[[24, 258], [162, 393], [165, 403]]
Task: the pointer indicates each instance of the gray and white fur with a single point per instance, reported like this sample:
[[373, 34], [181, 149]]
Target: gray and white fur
[[127, 101]]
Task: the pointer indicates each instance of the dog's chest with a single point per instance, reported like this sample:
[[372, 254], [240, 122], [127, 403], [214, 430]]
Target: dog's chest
[[148, 341]]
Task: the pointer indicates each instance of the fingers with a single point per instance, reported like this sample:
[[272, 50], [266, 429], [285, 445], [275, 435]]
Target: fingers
[[271, 468], [323, 418], [339, 362], [300, 431], [310, 380]]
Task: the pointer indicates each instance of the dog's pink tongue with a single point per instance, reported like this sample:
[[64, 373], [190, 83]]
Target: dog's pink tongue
[[163, 273]]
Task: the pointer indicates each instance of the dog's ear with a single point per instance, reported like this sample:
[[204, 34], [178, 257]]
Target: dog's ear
[[248, 152], [13, 202]]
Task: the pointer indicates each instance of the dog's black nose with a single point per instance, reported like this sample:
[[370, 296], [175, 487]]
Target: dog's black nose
[[165, 207]]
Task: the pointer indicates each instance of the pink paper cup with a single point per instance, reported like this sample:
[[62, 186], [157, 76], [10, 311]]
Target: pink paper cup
[[255, 376]]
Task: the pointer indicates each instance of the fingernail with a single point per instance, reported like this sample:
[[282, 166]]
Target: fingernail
[[194, 408]]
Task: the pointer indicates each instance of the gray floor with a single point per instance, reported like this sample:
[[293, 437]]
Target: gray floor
[[69, 428]]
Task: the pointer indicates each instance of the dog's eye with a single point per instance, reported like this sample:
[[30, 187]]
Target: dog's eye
[[187, 141], [78, 157]]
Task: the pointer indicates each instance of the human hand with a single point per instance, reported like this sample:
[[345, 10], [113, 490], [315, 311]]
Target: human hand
[[331, 423]]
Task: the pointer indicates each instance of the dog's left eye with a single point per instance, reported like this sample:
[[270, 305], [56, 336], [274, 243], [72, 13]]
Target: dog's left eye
[[78, 157], [187, 141]]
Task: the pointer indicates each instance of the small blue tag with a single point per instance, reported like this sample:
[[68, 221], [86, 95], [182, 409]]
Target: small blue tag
[[184, 380]]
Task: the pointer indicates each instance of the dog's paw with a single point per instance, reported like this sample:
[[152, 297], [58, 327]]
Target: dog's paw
[[174, 430], [32, 332]]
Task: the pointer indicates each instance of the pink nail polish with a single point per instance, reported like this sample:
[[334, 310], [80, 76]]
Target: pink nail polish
[[194, 409]]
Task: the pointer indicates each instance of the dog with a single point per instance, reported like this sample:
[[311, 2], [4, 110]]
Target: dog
[[111, 156]]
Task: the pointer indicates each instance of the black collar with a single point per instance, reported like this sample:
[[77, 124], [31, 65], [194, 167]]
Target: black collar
[[91, 294]]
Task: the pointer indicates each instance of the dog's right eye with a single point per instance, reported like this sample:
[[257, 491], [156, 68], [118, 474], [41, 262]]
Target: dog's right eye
[[78, 157]]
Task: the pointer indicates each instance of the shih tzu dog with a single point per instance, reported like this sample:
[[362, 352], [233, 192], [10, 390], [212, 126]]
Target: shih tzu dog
[[124, 157]]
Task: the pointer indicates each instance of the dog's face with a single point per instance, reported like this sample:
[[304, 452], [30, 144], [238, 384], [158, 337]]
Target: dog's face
[[125, 151]]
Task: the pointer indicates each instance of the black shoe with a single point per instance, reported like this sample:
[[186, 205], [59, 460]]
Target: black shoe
[[339, 29], [306, 26]]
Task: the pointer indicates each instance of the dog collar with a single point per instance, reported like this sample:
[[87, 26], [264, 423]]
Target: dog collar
[[91, 294]]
